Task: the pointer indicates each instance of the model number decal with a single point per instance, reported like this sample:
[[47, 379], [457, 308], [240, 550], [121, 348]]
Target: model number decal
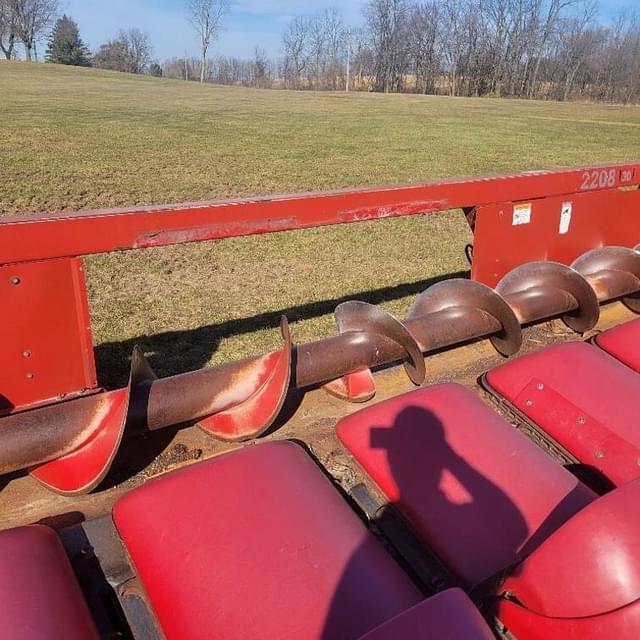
[[626, 176], [598, 179]]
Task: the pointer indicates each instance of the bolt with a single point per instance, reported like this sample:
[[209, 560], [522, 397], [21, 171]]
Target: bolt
[[581, 420], [29, 376], [540, 386], [14, 280], [529, 403], [26, 353], [638, 462], [599, 454]]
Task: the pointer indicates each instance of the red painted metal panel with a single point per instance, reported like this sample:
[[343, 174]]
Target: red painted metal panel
[[46, 348], [291, 559], [60, 235], [449, 614], [580, 397], [623, 343], [41, 597], [54, 315], [590, 565], [454, 468], [558, 228], [621, 624]]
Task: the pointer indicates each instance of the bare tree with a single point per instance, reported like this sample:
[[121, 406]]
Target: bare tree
[[139, 49], [129, 52], [336, 48], [260, 67], [206, 18], [388, 22], [8, 28], [33, 18], [296, 42], [424, 29], [454, 18]]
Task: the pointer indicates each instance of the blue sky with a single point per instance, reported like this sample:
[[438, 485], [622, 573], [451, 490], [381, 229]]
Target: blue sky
[[251, 22]]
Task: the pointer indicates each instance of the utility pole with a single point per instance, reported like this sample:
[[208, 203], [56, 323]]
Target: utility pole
[[348, 60]]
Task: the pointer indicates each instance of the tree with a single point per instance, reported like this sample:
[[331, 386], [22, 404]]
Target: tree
[[296, 43], [388, 23], [112, 55], [155, 70], [424, 29], [206, 18], [139, 50], [7, 28], [33, 18], [260, 67], [66, 46], [129, 52]]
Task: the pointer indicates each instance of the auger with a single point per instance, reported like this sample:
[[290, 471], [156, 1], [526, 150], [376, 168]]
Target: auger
[[69, 446]]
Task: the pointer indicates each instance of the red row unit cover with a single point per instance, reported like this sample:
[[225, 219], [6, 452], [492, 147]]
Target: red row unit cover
[[259, 544], [39, 595], [490, 503], [623, 343], [460, 474], [583, 399]]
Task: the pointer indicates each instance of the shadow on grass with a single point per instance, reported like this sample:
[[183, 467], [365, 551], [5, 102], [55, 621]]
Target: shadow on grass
[[174, 352]]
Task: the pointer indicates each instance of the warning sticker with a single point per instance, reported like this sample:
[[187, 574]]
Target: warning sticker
[[521, 214], [565, 217]]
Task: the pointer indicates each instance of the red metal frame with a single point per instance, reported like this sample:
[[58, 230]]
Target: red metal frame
[[42, 237], [47, 313], [46, 348], [560, 229]]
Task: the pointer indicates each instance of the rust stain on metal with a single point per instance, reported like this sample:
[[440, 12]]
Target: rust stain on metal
[[213, 232], [378, 212]]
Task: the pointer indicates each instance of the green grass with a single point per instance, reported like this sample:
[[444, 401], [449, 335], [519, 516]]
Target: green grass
[[73, 139]]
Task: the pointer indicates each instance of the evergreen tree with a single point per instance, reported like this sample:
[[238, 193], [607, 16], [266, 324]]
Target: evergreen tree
[[155, 70], [66, 46]]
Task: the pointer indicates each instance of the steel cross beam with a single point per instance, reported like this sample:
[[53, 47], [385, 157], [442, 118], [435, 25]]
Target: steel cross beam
[[62, 235]]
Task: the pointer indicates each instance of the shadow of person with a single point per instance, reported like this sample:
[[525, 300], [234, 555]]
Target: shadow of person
[[468, 522]]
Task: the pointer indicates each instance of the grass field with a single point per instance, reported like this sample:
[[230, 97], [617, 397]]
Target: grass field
[[73, 139]]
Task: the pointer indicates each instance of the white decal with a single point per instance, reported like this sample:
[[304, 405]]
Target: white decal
[[565, 217], [521, 214]]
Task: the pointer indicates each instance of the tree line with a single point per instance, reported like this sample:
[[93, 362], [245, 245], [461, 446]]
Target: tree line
[[543, 49], [518, 48]]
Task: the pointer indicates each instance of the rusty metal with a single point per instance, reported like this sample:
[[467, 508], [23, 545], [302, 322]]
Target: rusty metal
[[70, 446], [469, 303], [529, 289], [612, 272], [251, 417]]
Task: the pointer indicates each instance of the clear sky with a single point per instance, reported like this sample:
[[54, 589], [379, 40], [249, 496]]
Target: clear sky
[[250, 23]]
